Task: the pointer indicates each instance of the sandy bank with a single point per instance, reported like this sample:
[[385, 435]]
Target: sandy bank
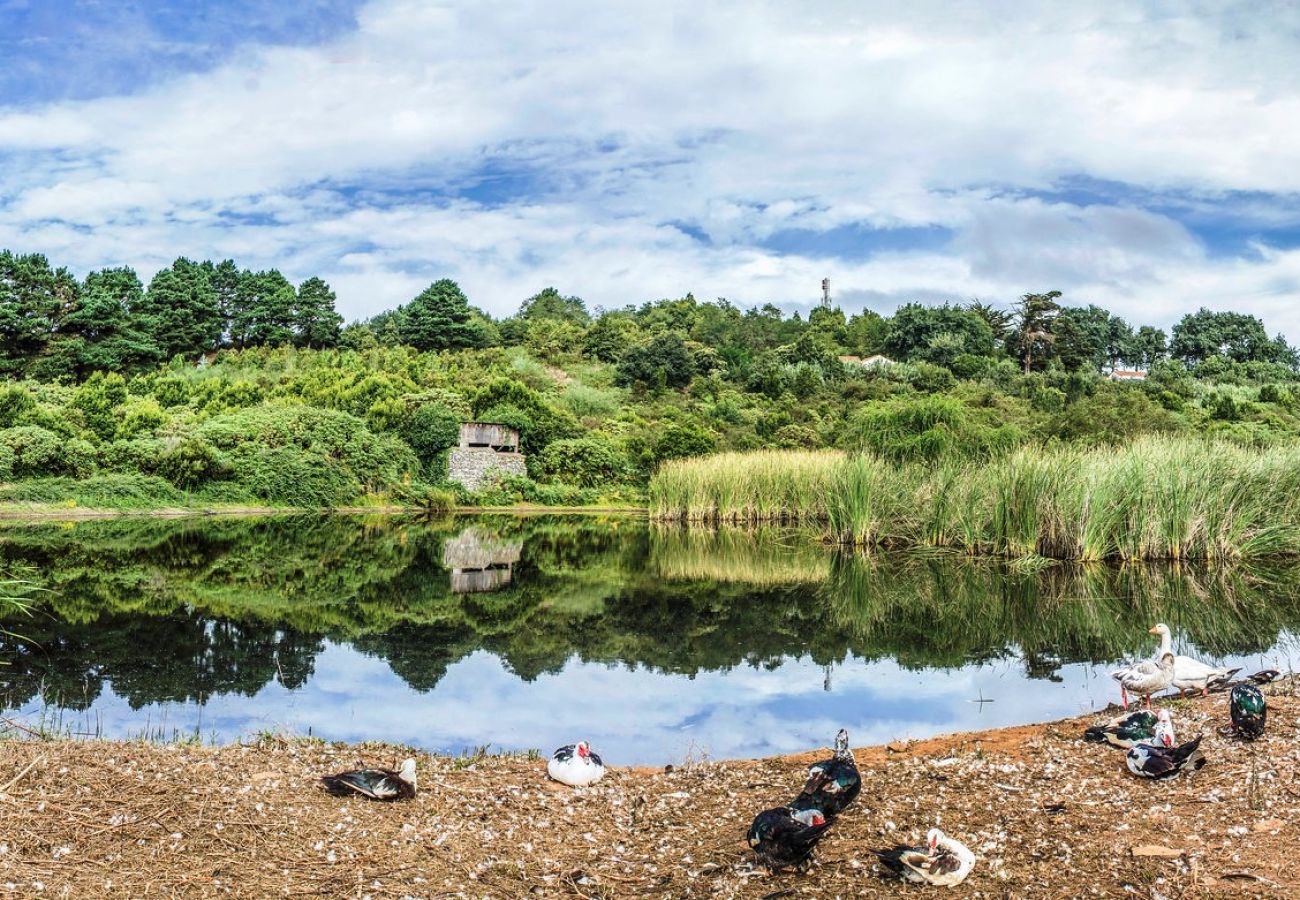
[[1048, 816]]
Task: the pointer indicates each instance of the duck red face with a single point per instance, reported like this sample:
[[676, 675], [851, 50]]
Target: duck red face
[[583, 750]]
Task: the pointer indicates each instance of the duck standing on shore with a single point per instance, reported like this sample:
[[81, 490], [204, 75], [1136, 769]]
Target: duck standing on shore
[[1145, 678], [1190, 674], [832, 783], [1249, 711], [575, 765], [377, 784], [783, 838], [942, 861]]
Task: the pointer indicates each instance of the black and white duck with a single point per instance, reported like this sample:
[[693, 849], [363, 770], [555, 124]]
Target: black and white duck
[[575, 765], [1124, 731], [832, 783], [783, 838], [941, 861], [377, 784], [1249, 711], [1145, 678], [1190, 674], [1163, 759]]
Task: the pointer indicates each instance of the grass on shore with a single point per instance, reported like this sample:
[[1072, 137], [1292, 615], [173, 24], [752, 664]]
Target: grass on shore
[[1157, 498]]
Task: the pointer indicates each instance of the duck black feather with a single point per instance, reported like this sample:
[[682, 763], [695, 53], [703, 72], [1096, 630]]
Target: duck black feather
[[781, 841], [1249, 711], [1124, 731], [377, 784], [1150, 761], [832, 783]]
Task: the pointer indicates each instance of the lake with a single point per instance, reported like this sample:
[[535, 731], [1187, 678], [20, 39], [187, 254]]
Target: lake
[[517, 632]]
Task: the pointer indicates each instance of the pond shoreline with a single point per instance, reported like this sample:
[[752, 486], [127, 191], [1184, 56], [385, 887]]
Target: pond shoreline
[[47, 512], [1046, 814]]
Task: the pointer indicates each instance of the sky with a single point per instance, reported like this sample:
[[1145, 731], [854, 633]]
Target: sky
[[1137, 155]]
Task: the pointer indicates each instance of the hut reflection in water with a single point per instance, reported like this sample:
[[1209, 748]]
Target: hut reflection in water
[[479, 562]]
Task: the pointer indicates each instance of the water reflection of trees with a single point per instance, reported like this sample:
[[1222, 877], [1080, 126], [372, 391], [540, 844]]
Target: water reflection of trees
[[184, 610]]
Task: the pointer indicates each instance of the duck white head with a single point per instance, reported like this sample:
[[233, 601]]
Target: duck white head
[[933, 837], [810, 817], [842, 743], [1164, 729], [407, 771], [1162, 630], [583, 751]]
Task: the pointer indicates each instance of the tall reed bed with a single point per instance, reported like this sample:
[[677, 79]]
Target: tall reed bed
[[1156, 498]]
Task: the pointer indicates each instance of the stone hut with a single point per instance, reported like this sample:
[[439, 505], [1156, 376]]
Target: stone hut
[[485, 449], [479, 562]]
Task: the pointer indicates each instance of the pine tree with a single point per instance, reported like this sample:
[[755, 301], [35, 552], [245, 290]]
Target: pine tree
[[181, 310], [439, 319], [316, 324]]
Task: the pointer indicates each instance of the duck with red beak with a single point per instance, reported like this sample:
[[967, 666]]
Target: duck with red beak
[[575, 765]]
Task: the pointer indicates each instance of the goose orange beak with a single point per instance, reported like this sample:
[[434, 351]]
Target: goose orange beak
[[1152, 630]]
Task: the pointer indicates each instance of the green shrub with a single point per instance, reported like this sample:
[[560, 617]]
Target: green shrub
[[290, 476], [190, 462], [115, 491], [38, 451], [98, 400], [15, 401], [430, 431], [586, 462], [141, 418], [682, 441]]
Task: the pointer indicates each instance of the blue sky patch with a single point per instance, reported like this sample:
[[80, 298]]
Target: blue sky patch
[[80, 49]]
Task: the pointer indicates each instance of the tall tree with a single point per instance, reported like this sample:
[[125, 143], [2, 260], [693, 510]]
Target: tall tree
[[106, 324], [999, 320], [266, 307], [224, 278], [937, 333], [316, 324], [1235, 336], [1149, 346], [181, 312], [1089, 337], [439, 319], [1034, 316], [34, 297]]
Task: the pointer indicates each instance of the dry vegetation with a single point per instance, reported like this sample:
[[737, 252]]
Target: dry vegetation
[[1048, 816]]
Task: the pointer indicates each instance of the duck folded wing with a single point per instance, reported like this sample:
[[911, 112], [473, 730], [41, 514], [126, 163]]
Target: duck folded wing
[[377, 784]]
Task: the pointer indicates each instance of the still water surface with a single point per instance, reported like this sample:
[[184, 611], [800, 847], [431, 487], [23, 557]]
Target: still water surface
[[528, 632]]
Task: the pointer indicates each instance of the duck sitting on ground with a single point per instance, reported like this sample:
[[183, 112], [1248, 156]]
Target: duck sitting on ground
[[1163, 760], [1124, 731], [1145, 678], [1190, 674], [782, 838], [943, 862], [1249, 711], [832, 783], [575, 765], [377, 784]]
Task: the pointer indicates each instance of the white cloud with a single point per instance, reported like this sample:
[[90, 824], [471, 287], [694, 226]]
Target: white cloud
[[741, 120]]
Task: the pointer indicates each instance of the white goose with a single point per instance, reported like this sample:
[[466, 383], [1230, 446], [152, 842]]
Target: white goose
[[1145, 678], [575, 765], [943, 861], [1191, 674]]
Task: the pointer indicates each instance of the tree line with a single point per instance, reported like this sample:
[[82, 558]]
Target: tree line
[[54, 327]]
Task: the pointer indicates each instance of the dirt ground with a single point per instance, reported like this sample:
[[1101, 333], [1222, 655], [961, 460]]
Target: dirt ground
[[1047, 815]]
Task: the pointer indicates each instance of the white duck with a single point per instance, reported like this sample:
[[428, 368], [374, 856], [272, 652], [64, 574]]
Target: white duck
[[575, 765], [1191, 674], [1145, 678], [943, 861]]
